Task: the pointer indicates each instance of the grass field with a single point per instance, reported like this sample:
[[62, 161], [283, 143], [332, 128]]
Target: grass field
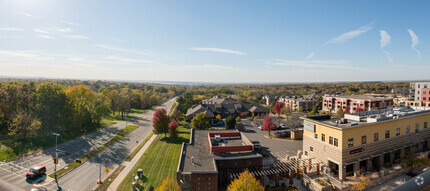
[[159, 161], [110, 120]]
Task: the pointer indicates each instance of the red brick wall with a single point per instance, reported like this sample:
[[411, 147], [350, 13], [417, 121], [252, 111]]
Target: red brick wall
[[227, 149], [225, 134], [204, 182], [239, 163]]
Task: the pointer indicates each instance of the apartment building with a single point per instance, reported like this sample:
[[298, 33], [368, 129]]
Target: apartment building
[[295, 103], [365, 141], [356, 103]]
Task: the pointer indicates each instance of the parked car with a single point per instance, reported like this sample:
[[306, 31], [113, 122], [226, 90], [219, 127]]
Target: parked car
[[257, 145], [283, 126], [39, 189], [259, 127], [36, 171]]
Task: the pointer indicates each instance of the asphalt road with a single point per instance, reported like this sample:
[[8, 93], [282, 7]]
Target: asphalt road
[[12, 174]]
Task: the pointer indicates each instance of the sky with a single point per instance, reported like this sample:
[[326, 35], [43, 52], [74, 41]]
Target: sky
[[241, 41]]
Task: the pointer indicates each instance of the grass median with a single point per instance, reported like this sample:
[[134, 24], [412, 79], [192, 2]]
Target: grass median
[[159, 161], [96, 151]]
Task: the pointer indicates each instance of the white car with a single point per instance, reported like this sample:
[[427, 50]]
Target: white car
[[259, 127]]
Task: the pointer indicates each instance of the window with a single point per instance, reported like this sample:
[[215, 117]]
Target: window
[[397, 131], [376, 137], [316, 136], [350, 142], [419, 85], [311, 149], [425, 125], [417, 128], [330, 140], [323, 137], [335, 142], [425, 85], [408, 129], [424, 92], [418, 92], [363, 139], [306, 153], [424, 98], [387, 134]]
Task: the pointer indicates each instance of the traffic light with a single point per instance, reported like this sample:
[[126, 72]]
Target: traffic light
[[99, 182], [55, 160]]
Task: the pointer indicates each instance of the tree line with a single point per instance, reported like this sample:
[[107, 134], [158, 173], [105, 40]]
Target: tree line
[[29, 108]]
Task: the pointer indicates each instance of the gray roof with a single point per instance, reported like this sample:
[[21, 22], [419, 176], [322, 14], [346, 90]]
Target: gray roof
[[226, 109]]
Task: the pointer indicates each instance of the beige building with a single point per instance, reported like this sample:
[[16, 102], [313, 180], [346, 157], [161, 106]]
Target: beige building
[[365, 141]]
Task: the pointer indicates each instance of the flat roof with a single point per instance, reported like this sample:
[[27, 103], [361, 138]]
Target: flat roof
[[369, 117], [199, 152], [361, 97]]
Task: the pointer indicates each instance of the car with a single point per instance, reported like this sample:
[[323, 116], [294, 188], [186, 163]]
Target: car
[[257, 145], [283, 126], [36, 171], [259, 127], [39, 189]]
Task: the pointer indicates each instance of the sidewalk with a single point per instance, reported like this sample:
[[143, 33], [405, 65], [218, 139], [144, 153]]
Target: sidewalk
[[130, 165]]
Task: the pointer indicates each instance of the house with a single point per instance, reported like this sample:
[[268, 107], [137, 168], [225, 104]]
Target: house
[[226, 107]]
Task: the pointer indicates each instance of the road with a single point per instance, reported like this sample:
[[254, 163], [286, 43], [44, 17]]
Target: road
[[84, 177]]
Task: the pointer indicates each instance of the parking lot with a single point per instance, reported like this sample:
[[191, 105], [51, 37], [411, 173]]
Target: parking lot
[[279, 148]]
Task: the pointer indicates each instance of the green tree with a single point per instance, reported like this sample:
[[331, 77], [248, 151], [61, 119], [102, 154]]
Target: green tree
[[51, 100], [413, 161], [340, 113], [200, 121], [24, 124], [238, 119], [230, 122], [168, 184], [160, 121], [245, 182], [314, 111], [81, 101]]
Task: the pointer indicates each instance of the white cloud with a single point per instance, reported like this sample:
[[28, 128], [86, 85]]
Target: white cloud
[[68, 22], [109, 47], [76, 37], [64, 30], [129, 60], [311, 55], [349, 35], [310, 63], [415, 41], [45, 36], [26, 14], [44, 31], [11, 29], [218, 50], [385, 38]]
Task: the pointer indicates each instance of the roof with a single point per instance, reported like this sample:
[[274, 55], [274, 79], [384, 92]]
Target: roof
[[218, 100], [374, 97], [225, 109], [38, 167], [199, 152], [368, 117]]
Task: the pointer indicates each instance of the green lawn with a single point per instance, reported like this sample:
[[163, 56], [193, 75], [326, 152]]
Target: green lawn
[[6, 153], [110, 120], [173, 107], [159, 161]]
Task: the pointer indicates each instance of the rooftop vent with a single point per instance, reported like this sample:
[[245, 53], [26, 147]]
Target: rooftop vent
[[353, 124], [217, 138]]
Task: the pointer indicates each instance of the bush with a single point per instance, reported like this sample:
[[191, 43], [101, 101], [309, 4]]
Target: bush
[[230, 122], [321, 182]]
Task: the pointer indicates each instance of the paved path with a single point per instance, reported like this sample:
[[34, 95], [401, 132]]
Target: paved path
[[130, 165], [393, 183], [13, 173]]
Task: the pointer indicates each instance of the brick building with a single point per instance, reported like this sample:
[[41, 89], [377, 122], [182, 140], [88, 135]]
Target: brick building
[[356, 103], [206, 161]]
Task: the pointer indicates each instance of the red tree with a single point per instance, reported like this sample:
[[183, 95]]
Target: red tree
[[278, 107], [268, 123], [160, 122], [177, 115], [173, 129], [243, 114]]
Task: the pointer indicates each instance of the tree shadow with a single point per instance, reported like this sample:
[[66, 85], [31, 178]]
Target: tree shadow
[[178, 140]]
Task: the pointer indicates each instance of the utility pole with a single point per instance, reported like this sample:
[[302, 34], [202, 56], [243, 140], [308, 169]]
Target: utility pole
[[100, 175], [56, 161]]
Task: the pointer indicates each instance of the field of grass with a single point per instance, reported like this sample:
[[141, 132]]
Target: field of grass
[[6, 153], [135, 151], [96, 151], [173, 107], [110, 120], [159, 161]]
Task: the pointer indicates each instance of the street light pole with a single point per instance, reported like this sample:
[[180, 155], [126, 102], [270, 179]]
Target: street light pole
[[56, 160]]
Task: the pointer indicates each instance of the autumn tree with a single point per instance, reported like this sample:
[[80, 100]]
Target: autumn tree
[[51, 99], [314, 111], [238, 119], [81, 102], [173, 129], [277, 108], [177, 115], [245, 182], [230, 122], [200, 121], [160, 121], [340, 113], [168, 184], [413, 161], [360, 186], [24, 124], [268, 124], [243, 114], [218, 117]]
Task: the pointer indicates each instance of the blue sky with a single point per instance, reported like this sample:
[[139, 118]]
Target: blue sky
[[215, 41]]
